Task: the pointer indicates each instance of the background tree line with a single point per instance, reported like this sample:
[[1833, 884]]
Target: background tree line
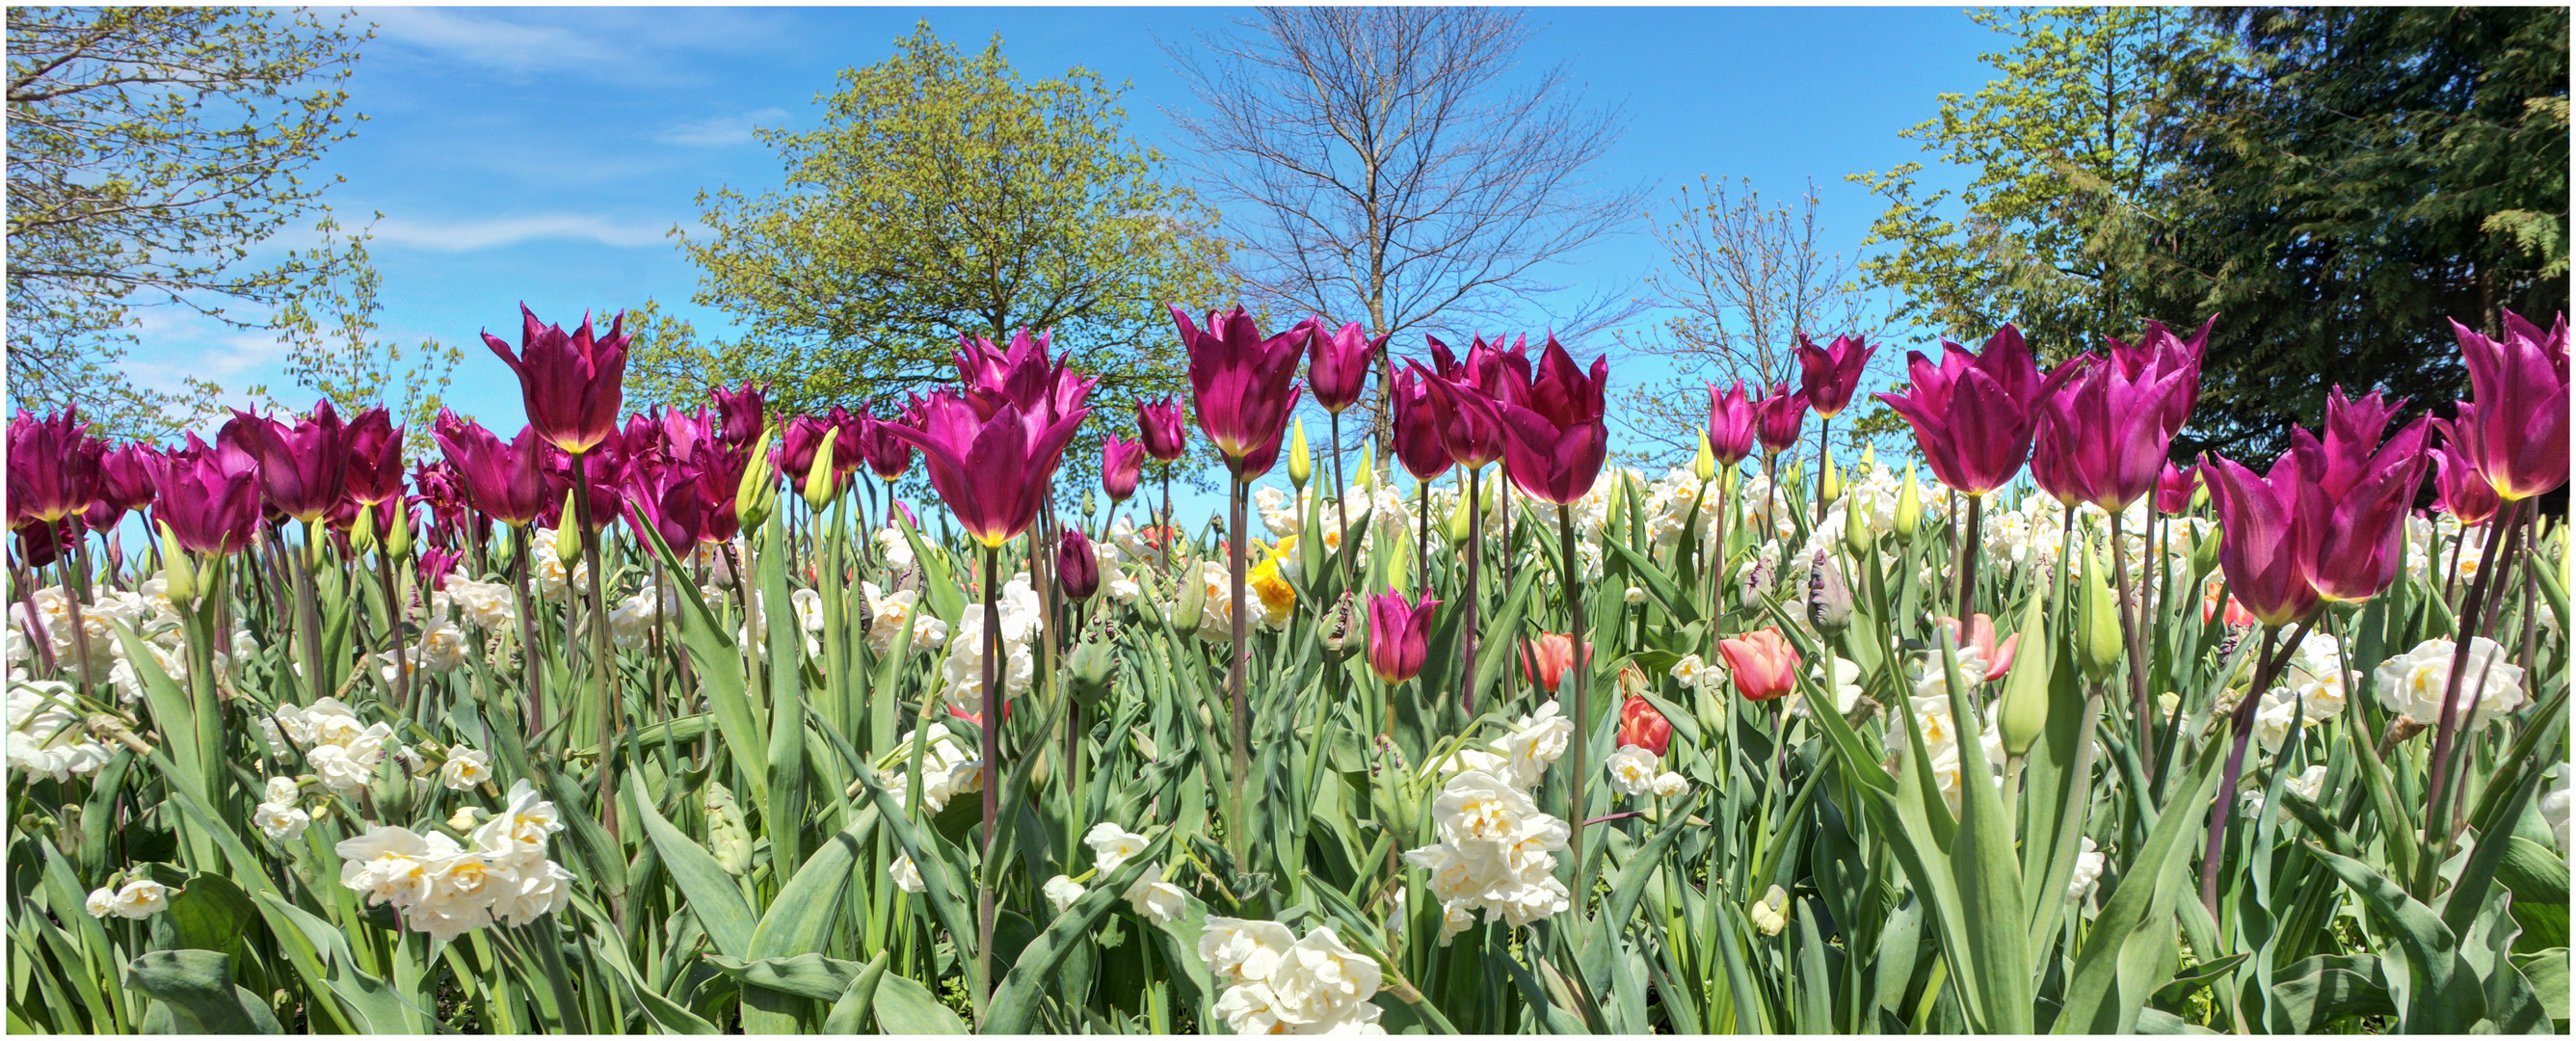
[[2330, 182]]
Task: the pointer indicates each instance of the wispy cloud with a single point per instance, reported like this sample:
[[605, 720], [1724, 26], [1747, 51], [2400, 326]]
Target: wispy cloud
[[464, 236], [492, 42], [594, 43], [720, 131]]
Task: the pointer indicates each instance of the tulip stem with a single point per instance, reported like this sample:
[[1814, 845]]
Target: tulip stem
[[602, 663], [1467, 625], [1824, 459], [75, 568], [394, 623], [2132, 634], [2473, 618], [1341, 509], [2267, 666], [991, 730], [308, 617], [1966, 560], [1237, 657], [524, 534], [1581, 667]]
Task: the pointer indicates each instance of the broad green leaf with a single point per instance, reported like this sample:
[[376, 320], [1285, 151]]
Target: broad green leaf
[[2437, 992], [906, 1007], [198, 987], [1015, 1003], [712, 896]]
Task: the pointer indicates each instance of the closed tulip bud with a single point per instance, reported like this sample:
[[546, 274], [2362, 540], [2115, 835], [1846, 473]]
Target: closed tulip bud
[[1094, 670], [757, 498], [819, 487], [2101, 634], [1856, 536], [362, 531], [398, 539], [1868, 457], [1457, 529], [1829, 600], [728, 836], [1090, 503], [1189, 605], [178, 572], [1618, 508], [1337, 629], [1301, 460], [1833, 478], [1368, 465], [1909, 508], [1704, 463], [2200, 496], [2024, 709], [2204, 555], [1794, 477], [567, 533], [1077, 566]]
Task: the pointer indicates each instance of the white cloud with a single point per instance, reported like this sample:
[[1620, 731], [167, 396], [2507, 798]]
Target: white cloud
[[511, 46], [465, 236], [720, 131]]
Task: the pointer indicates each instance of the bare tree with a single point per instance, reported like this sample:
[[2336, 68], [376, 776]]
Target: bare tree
[[1384, 166], [1743, 280]]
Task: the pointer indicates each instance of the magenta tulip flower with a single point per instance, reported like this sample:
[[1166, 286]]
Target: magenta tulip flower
[[2458, 488], [1243, 386], [1776, 418], [509, 482], [1471, 430], [740, 413], [375, 458], [2161, 351], [2174, 487], [1337, 366], [2517, 437], [1163, 429], [2258, 544], [1045, 389], [126, 477], [1399, 634], [992, 471], [2101, 437], [1418, 441], [301, 468], [1553, 447], [1829, 375], [1077, 566], [2356, 492], [1973, 415], [1731, 420], [573, 385], [794, 456], [2350, 452], [53, 467], [210, 496], [1122, 464], [888, 456], [666, 501]]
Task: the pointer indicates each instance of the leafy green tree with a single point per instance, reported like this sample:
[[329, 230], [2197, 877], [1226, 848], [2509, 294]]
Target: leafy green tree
[[943, 195], [2345, 179], [153, 152]]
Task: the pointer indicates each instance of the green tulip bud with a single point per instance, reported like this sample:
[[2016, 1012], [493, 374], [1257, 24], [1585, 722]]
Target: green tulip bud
[[1794, 477], [1094, 671], [178, 572], [2101, 634], [1909, 507], [2024, 709], [1368, 465], [1833, 478], [758, 496], [1618, 507], [1342, 631], [2204, 556], [818, 476], [1704, 462], [1301, 461], [1869, 457], [362, 533], [1090, 505], [1856, 536], [567, 533], [1190, 604], [398, 541], [727, 836], [1457, 530], [2199, 495]]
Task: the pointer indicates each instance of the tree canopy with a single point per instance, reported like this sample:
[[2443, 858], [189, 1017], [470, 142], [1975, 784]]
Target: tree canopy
[[944, 195]]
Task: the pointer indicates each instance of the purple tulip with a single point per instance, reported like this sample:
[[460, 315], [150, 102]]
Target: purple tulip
[[994, 470], [40, 544], [509, 483], [1243, 386], [2351, 452], [2328, 522], [1973, 415], [2258, 519], [574, 386], [2458, 488], [2161, 351], [1337, 366], [1418, 441], [666, 501], [2102, 435], [794, 456], [887, 456], [1777, 416], [375, 458], [210, 496], [302, 468], [1554, 446], [1829, 375], [2517, 437], [1471, 430], [1077, 567], [2173, 488], [1045, 389], [1399, 634], [436, 563], [126, 476], [1122, 464], [53, 466], [1163, 429], [740, 413], [1731, 420]]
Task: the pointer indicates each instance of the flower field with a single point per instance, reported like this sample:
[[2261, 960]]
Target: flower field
[[683, 723]]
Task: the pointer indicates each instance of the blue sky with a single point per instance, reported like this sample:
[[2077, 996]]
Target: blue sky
[[543, 154]]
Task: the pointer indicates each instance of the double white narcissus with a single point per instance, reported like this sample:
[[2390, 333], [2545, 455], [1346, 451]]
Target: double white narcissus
[[1276, 983], [2413, 683], [444, 889], [1497, 849]]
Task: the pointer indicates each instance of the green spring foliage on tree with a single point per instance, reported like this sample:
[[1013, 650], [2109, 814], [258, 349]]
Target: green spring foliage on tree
[[943, 195], [154, 155], [2331, 183]]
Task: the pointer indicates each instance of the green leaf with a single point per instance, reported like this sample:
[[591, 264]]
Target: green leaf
[[210, 913], [1988, 871], [198, 987], [2119, 964], [906, 1007], [806, 909], [805, 975], [711, 894], [851, 1009], [2320, 990], [2437, 993], [1015, 1003], [719, 667]]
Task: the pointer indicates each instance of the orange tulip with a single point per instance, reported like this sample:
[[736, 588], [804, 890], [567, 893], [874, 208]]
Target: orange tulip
[[1545, 659], [1763, 664]]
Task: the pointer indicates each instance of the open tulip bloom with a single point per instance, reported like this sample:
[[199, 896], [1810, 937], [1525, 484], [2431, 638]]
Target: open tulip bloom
[[992, 470], [2103, 433], [1554, 445], [1337, 366], [1243, 386], [2516, 436], [1973, 413], [1399, 634], [574, 385], [1731, 422]]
